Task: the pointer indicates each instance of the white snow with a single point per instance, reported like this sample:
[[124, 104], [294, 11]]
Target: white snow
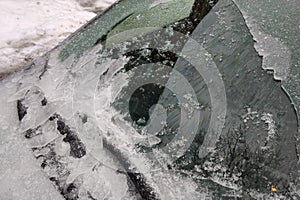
[[30, 28]]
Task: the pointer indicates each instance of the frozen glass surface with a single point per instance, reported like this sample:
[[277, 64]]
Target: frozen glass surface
[[175, 99], [275, 27]]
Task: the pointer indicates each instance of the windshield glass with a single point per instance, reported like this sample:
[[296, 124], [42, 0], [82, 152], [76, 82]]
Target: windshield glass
[[164, 99]]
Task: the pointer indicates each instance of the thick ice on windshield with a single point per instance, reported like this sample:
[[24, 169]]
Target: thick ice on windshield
[[58, 117], [275, 27]]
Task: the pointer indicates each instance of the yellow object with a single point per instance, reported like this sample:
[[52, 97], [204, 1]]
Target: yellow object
[[274, 189]]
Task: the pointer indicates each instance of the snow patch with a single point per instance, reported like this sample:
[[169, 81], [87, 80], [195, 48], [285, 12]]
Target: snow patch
[[30, 28]]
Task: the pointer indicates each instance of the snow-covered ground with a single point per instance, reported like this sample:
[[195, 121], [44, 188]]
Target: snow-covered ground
[[30, 28]]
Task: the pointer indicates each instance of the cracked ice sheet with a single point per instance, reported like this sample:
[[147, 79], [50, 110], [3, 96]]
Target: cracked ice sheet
[[275, 28], [120, 133], [14, 160], [20, 174]]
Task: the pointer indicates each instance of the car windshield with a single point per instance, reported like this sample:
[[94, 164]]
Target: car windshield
[[162, 99]]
